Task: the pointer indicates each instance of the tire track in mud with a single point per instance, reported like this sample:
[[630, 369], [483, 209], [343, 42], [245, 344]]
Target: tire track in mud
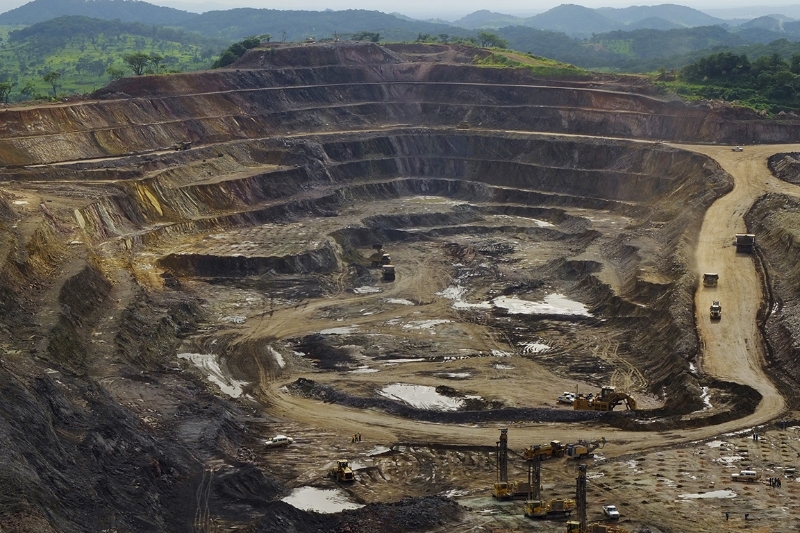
[[732, 353]]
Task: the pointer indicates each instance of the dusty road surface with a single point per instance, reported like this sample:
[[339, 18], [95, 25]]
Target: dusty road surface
[[732, 347], [163, 312]]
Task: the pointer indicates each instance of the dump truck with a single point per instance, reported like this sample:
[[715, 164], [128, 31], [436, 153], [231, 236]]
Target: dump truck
[[183, 145], [545, 508], [745, 243], [716, 310], [710, 279], [609, 398], [388, 272], [342, 471], [543, 451]]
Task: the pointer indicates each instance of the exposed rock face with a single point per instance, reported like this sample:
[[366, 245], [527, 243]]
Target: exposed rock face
[[117, 252]]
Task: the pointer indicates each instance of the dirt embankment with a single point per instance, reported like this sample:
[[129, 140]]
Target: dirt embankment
[[774, 219], [350, 91]]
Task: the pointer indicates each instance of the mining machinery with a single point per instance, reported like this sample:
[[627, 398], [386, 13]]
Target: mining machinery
[[535, 506], [609, 398], [583, 449], [502, 489], [581, 525]]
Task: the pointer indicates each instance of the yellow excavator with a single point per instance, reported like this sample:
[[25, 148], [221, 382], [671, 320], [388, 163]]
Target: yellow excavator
[[609, 398]]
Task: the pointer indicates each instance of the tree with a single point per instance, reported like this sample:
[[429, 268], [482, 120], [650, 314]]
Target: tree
[[29, 90], [155, 60], [5, 90], [52, 78], [115, 73], [367, 36], [490, 40], [137, 62]]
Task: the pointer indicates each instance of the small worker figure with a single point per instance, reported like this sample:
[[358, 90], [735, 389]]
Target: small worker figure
[[727, 515], [746, 515]]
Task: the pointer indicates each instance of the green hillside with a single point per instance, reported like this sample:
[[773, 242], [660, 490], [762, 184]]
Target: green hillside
[[81, 50], [236, 24], [124, 10]]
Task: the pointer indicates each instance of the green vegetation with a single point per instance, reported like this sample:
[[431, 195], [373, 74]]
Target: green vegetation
[[237, 50], [768, 82], [539, 66], [85, 54]]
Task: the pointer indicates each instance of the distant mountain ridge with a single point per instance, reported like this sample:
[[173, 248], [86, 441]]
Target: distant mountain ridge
[[124, 10], [579, 21]]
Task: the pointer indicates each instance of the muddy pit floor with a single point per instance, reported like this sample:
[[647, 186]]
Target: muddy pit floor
[[429, 327], [486, 310]]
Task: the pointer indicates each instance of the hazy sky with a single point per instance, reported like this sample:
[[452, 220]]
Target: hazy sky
[[452, 9]]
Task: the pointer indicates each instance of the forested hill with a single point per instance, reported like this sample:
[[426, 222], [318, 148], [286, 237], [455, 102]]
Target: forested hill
[[124, 10], [236, 24]]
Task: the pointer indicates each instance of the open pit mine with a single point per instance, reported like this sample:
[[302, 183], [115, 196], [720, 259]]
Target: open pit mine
[[381, 289]]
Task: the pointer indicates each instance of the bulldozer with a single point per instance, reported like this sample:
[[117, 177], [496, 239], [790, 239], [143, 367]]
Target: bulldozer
[[342, 471], [543, 451], [609, 398], [583, 449]]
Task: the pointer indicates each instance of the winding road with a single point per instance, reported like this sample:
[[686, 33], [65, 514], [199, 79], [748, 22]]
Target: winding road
[[732, 348]]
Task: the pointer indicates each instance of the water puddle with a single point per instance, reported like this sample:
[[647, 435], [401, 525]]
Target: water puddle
[[278, 357], [500, 353], [320, 500], [343, 330], [715, 443], [501, 366], [456, 293], [726, 493], [367, 290], [534, 347], [398, 301], [553, 304], [209, 365], [421, 397], [364, 370], [425, 324], [234, 319], [455, 375]]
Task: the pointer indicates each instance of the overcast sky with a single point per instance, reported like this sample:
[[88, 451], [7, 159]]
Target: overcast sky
[[453, 9]]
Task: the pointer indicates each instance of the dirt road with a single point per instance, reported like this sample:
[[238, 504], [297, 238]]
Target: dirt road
[[732, 347]]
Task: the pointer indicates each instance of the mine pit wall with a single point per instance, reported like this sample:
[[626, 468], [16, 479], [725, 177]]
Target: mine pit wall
[[224, 105], [25, 267], [774, 219], [343, 164], [82, 300]]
